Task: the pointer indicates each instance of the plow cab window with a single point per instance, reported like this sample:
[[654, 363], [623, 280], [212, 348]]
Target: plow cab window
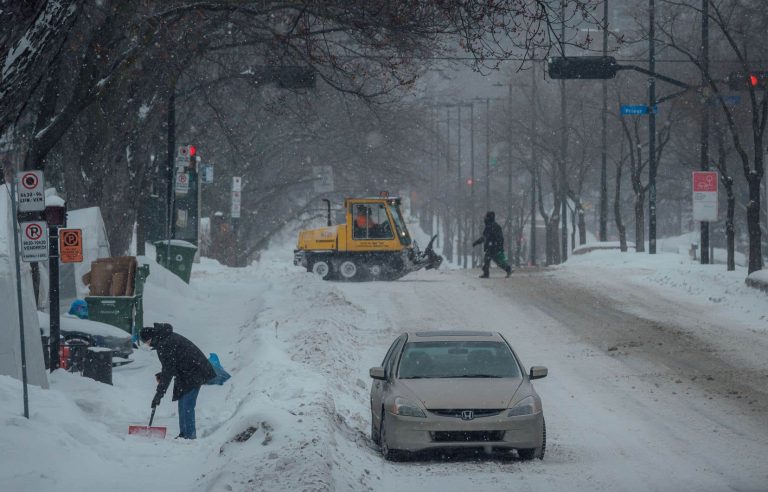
[[402, 232], [370, 221]]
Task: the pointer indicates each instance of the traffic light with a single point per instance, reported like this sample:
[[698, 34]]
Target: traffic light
[[741, 81], [582, 67], [192, 157], [470, 181]]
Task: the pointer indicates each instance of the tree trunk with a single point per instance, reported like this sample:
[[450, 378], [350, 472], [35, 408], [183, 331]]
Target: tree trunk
[[753, 223], [617, 213], [639, 222], [729, 228], [582, 226]]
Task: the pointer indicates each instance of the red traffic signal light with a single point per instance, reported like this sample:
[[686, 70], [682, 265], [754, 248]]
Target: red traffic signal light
[[740, 81], [192, 151]]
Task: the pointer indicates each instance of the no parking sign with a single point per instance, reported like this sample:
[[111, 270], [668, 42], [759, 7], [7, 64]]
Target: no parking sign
[[34, 241], [31, 191]]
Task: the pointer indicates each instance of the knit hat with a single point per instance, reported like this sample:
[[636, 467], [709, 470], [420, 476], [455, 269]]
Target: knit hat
[[146, 333]]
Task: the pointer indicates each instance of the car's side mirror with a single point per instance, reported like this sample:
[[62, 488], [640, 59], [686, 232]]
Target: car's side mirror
[[538, 372], [377, 373]]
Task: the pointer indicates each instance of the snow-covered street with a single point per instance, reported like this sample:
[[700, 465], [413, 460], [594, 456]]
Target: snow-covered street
[[651, 386]]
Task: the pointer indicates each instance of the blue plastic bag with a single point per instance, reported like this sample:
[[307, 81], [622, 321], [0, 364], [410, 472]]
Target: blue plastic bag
[[221, 374]]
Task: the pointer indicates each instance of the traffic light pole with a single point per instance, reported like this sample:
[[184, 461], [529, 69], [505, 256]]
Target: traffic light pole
[[651, 131]]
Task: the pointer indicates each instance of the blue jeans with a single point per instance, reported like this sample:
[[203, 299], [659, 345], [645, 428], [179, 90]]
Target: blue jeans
[[187, 414]]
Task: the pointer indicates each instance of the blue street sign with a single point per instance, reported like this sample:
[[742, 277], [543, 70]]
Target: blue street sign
[[629, 109], [729, 100]]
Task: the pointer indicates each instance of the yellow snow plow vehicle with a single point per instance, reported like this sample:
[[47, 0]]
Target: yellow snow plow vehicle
[[373, 244]]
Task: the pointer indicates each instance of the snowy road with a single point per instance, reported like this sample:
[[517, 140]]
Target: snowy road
[[646, 391], [636, 399]]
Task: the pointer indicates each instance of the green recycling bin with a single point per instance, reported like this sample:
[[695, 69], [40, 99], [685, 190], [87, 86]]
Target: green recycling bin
[[182, 254], [124, 312]]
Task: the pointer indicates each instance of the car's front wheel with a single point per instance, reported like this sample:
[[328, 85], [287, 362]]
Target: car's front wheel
[[529, 454], [388, 453]]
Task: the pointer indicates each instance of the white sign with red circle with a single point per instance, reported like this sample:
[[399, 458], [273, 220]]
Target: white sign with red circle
[[182, 183], [31, 191], [705, 196], [34, 241]]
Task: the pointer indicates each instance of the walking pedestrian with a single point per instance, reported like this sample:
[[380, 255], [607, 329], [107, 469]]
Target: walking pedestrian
[[493, 245], [185, 363]]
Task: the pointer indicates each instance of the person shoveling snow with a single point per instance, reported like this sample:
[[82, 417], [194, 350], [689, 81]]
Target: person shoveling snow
[[182, 360]]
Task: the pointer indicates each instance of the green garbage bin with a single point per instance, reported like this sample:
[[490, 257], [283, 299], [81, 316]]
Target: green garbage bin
[[182, 255], [124, 312]]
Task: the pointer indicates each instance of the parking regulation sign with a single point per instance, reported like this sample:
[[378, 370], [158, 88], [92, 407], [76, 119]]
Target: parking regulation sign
[[182, 183], [34, 241], [31, 191], [705, 196], [71, 245]]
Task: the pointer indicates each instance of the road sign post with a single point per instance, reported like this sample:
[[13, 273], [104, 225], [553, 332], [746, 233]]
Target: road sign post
[[19, 299]]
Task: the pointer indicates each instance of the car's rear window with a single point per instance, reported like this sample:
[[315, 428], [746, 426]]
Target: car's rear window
[[457, 359]]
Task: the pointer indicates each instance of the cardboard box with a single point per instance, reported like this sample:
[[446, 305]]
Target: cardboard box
[[114, 276]]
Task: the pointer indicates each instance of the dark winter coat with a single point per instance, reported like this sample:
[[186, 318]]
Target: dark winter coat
[[493, 237], [181, 359]]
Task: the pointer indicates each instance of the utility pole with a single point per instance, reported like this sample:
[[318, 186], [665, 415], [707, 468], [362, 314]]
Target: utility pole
[[563, 150], [487, 154], [472, 176], [534, 162], [436, 190], [651, 130], [705, 259], [603, 230], [509, 174], [459, 246], [170, 177], [448, 242]]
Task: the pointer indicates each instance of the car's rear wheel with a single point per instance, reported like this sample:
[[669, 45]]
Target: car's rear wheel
[[388, 453], [529, 454]]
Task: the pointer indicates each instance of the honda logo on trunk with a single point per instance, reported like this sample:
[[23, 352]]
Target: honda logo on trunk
[[467, 415]]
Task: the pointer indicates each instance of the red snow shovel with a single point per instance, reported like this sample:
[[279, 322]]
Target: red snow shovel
[[148, 430]]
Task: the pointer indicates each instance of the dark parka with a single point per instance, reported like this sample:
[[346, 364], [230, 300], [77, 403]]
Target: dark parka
[[493, 238], [181, 359]]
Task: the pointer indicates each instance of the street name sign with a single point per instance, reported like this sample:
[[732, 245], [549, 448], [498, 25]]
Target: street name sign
[[71, 245], [34, 241], [705, 196], [636, 109], [31, 191]]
